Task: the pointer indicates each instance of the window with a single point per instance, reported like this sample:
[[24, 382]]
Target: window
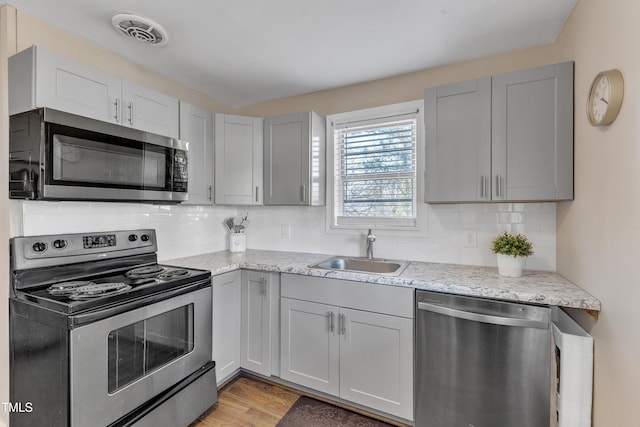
[[375, 168]]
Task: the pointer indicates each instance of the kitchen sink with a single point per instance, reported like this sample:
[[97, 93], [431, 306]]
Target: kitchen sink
[[363, 265]]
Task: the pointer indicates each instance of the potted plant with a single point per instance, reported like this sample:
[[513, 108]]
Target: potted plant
[[510, 250]]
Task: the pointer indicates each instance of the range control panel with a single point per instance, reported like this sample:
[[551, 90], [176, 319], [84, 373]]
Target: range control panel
[[72, 248]]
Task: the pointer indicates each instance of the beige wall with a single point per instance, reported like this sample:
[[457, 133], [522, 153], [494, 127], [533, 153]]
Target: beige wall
[[596, 232], [7, 47], [407, 87]]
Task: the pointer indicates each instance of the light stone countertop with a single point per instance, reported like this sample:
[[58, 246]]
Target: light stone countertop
[[539, 287]]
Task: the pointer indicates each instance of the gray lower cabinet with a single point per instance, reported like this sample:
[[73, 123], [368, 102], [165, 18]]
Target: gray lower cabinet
[[196, 127], [260, 302], [226, 324], [294, 160], [350, 340], [503, 138]]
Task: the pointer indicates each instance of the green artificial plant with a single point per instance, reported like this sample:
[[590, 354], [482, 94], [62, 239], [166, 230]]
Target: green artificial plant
[[516, 245]]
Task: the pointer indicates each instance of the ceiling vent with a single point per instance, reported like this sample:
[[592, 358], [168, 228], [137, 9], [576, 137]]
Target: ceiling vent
[[140, 28]]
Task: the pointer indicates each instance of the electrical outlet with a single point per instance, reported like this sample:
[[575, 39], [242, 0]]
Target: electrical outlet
[[285, 231], [470, 239]]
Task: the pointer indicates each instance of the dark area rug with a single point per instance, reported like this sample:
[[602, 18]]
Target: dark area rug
[[308, 412]]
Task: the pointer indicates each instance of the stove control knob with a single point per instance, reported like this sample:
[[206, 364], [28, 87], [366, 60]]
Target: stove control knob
[[145, 237], [39, 247], [59, 244], [133, 237]]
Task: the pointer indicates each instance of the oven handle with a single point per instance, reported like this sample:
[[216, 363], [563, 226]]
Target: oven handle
[[82, 319]]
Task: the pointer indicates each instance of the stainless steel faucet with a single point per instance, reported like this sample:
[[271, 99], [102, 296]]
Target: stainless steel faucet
[[370, 239]]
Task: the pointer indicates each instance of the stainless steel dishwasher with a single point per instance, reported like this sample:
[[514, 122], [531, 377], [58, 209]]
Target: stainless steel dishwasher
[[481, 363]]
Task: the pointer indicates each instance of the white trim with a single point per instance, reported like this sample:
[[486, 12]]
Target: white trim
[[397, 229]]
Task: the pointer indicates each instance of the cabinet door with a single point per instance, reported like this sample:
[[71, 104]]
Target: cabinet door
[[532, 126], [148, 110], [458, 142], [310, 345], [294, 160], [41, 78], [226, 324], [196, 127], [255, 347], [376, 361], [238, 158]]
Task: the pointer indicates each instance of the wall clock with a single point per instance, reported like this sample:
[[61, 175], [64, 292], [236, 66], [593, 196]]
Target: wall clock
[[605, 98]]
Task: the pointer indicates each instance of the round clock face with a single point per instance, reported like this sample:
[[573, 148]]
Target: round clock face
[[605, 98], [600, 98]]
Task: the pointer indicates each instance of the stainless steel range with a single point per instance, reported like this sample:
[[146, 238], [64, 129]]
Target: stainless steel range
[[103, 335]]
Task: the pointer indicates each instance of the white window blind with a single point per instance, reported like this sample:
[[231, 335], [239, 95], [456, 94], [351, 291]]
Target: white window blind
[[375, 171]]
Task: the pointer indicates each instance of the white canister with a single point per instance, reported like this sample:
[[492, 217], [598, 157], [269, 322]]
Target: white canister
[[237, 242]]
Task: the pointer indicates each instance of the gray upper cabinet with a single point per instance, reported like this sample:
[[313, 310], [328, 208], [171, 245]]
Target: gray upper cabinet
[[458, 134], [294, 160], [238, 153], [148, 110], [504, 138], [41, 78], [532, 134], [196, 127]]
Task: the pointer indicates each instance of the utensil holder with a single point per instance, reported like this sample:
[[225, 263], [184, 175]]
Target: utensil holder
[[237, 242]]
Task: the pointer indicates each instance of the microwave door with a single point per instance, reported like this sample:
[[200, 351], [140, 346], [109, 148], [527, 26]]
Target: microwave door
[[87, 162], [101, 167]]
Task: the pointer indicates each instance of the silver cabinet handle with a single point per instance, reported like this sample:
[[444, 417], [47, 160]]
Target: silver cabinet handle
[[210, 197], [482, 186], [331, 325], [257, 192], [130, 107], [117, 104], [484, 318], [303, 193], [499, 185], [487, 192], [264, 286], [342, 324]]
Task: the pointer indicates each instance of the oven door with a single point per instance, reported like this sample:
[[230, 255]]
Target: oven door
[[120, 362]]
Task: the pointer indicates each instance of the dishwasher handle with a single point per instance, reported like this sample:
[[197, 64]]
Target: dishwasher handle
[[484, 318]]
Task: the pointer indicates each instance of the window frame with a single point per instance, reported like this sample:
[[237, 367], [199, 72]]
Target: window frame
[[414, 226]]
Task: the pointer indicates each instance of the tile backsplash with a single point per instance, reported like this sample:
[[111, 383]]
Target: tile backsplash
[[454, 233]]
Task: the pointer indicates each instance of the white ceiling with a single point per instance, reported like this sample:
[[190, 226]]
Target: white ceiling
[[243, 52]]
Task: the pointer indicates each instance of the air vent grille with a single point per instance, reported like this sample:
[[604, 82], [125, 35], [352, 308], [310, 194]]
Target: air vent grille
[[140, 28]]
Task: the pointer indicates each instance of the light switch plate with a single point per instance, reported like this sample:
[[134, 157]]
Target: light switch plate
[[285, 231], [469, 239]]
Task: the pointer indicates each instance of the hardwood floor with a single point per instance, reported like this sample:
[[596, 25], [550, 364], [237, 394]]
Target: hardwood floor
[[248, 402]]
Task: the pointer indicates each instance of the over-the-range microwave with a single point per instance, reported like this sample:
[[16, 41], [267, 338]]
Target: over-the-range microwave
[[55, 155]]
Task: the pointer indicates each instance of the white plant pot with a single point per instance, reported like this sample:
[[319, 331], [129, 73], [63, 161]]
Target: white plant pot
[[237, 242], [509, 266]]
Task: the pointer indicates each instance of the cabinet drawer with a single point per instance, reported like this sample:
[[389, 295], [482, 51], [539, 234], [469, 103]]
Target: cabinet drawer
[[385, 299]]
